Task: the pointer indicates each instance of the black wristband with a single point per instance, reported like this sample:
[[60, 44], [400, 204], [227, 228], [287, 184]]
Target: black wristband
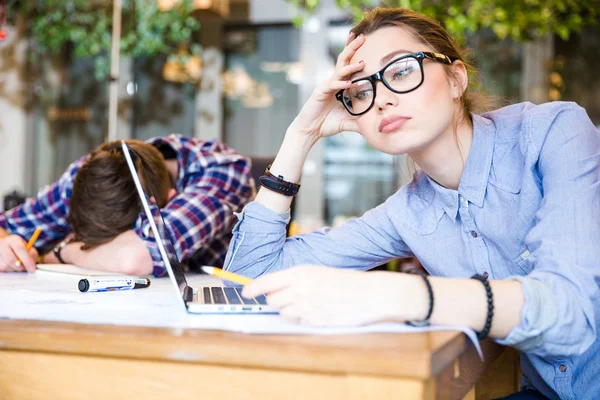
[[490, 306], [425, 321], [60, 246], [277, 184]]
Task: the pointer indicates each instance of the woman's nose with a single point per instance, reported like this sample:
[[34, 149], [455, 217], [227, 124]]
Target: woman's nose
[[384, 97]]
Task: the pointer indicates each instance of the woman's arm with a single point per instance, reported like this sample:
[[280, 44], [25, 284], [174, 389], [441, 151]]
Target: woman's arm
[[321, 116], [323, 296], [551, 312]]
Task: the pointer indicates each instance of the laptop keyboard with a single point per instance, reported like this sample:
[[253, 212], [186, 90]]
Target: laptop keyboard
[[229, 295]]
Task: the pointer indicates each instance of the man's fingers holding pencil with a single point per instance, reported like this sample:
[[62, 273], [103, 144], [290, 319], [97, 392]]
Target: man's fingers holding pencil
[[13, 249]]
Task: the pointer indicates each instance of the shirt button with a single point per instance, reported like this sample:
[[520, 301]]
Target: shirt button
[[474, 234], [462, 200], [563, 368]]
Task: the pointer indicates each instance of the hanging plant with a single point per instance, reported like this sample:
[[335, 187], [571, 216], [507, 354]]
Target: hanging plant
[[518, 20], [85, 27]]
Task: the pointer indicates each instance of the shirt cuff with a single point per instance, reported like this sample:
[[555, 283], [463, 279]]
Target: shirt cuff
[[539, 314], [158, 265], [258, 219]]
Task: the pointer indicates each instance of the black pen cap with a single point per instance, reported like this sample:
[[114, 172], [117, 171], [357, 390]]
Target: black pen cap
[[83, 285]]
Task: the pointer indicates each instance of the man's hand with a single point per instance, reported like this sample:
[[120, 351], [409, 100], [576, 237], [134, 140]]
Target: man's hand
[[13, 248]]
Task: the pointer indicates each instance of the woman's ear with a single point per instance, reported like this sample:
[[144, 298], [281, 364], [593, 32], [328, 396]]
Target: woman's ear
[[460, 79]]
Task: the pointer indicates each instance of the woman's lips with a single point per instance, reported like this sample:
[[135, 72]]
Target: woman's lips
[[391, 124]]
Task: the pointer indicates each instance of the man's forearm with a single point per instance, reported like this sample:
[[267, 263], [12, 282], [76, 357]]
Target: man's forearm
[[126, 254]]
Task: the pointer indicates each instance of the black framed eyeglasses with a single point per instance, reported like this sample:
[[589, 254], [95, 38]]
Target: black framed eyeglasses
[[402, 75]]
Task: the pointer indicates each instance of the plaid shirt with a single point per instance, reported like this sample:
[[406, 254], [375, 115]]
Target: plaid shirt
[[213, 182]]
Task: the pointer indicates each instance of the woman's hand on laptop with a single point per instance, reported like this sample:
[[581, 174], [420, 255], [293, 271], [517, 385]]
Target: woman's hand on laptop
[[323, 296], [14, 256]]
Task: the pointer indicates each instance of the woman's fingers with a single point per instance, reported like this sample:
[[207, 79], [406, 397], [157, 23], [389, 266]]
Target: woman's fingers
[[291, 313], [345, 56], [281, 298], [349, 125], [338, 80], [267, 284], [351, 37], [344, 72]]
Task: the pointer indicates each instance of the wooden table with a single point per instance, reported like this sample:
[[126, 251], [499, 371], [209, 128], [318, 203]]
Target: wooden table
[[60, 360]]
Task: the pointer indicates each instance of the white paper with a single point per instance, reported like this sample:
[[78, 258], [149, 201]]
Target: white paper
[[72, 270], [55, 297]]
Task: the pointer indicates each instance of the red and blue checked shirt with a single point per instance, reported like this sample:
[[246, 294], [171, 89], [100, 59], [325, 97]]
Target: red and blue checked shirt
[[213, 182]]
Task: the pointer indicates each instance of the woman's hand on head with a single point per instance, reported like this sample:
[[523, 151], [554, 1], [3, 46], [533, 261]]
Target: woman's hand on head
[[322, 115], [323, 296]]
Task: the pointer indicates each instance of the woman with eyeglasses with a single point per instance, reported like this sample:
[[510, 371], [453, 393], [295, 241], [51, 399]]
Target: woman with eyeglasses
[[504, 212]]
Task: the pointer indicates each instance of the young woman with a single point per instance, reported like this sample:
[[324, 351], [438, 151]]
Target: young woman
[[510, 198]]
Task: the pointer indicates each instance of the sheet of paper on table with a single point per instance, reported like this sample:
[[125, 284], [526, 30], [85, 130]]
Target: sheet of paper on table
[[55, 297]]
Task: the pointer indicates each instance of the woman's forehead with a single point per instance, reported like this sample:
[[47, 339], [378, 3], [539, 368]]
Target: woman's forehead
[[380, 43]]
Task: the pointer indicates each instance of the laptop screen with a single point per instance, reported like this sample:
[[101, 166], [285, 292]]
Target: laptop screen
[[159, 228]]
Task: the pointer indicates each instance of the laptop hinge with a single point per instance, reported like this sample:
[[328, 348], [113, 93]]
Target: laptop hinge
[[188, 294]]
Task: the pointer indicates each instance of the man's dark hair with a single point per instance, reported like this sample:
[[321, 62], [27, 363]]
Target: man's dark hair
[[104, 201]]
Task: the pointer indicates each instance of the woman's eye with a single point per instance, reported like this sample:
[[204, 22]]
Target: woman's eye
[[401, 73], [362, 95]]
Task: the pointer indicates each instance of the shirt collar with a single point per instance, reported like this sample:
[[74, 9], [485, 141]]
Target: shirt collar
[[474, 179]]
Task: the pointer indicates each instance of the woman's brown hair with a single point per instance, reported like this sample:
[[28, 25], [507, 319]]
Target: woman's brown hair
[[430, 32], [104, 202]]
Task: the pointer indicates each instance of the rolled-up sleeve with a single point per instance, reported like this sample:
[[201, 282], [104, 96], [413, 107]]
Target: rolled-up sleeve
[[558, 317], [259, 244]]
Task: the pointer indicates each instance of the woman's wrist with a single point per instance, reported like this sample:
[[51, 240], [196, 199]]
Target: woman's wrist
[[304, 141], [292, 155], [406, 299]]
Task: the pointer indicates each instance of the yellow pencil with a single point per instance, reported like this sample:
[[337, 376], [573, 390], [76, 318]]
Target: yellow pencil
[[30, 243], [219, 273], [33, 238]]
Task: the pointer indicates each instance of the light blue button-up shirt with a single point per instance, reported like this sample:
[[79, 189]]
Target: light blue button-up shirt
[[527, 208]]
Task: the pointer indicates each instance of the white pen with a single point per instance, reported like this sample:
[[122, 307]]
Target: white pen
[[107, 285]]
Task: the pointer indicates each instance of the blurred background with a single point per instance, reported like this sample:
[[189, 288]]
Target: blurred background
[[239, 70]]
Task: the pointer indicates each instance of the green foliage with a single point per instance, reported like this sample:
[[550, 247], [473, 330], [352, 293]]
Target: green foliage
[[519, 20], [85, 27]]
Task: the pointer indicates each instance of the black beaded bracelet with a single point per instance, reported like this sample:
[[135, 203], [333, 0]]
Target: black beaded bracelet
[[425, 321], [490, 306]]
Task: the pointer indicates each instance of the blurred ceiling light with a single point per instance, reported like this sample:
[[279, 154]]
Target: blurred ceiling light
[[295, 74], [236, 82], [312, 25], [183, 67], [218, 7], [258, 97]]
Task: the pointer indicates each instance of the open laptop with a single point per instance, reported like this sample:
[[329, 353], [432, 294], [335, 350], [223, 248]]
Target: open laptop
[[210, 300]]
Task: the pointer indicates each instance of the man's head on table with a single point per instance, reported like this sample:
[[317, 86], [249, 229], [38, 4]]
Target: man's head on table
[[104, 202]]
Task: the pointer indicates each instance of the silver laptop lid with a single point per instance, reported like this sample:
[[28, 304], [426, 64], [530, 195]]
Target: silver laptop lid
[[157, 224]]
